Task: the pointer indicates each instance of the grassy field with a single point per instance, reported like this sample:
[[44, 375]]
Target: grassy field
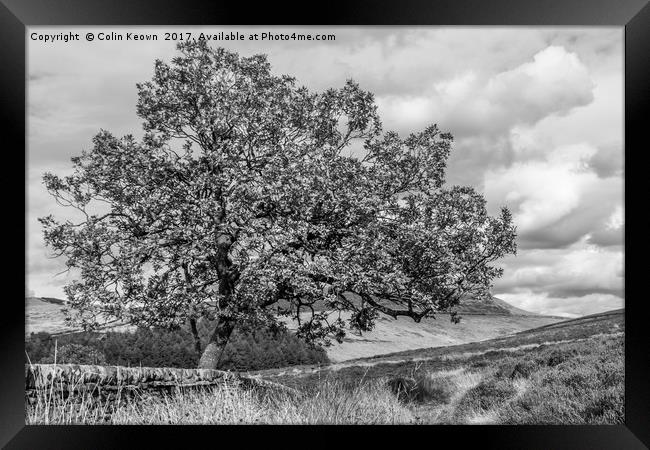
[[565, 373], [577, 383]]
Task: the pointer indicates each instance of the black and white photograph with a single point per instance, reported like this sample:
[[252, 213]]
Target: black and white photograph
[[300, 225]]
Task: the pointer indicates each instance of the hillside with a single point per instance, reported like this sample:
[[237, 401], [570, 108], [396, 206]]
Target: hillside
[[513, 309], [468, 305], [56, 301], [610, 323], [570, 330], [46, 314], [480, 320], [493, 305], [394, 335]]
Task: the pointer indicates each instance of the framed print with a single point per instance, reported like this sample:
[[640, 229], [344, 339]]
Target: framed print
[[410, 218]]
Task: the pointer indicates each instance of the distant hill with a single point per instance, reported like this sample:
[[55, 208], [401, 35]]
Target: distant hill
[[56, 301], [46, 314], [480, 320], [492, 305], [486, 319], [513, 309], [467, 306], [395, 335]]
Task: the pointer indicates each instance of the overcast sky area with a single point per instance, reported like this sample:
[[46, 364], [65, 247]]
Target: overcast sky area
[[536, 115]]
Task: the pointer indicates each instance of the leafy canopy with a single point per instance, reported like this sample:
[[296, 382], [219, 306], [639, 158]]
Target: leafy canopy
[[250, 198]]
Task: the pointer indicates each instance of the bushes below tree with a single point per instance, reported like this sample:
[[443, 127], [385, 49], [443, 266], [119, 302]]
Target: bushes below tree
[[75, 354], [246, 349]]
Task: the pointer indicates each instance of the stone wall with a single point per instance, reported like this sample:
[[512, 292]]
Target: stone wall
[[109, 382]]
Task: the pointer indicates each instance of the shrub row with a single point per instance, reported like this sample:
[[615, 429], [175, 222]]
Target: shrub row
[[247, 349]]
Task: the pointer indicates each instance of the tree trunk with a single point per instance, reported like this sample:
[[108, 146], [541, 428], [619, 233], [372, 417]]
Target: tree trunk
[[197, 338], [225, 325], [218, 340]]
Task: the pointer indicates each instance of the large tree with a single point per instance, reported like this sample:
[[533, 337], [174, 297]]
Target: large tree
[[250, 198]]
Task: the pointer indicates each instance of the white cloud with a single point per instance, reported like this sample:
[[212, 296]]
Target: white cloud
[[542, 303], [600, 123], [554, 82], [541, 192]]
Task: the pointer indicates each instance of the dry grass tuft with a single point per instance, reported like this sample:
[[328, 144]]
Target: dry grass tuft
[[329, 402]]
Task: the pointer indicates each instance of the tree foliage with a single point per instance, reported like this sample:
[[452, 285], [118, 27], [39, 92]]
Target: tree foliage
[[250, 198]]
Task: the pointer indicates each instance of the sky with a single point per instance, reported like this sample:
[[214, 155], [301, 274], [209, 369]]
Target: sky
[[536, 115]]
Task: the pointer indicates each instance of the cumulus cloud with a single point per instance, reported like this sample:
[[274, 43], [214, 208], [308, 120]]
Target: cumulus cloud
[[554, 82], [600, 123], [493, 115], [575, 271], [609, 232], [555, 200], [470, 103]]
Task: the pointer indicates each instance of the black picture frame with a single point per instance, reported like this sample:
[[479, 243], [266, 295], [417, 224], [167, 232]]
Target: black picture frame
[[16, 15]]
